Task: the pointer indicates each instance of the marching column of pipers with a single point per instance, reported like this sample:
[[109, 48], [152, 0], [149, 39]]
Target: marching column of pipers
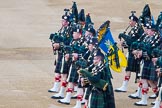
[[143, 54], [80, 62]]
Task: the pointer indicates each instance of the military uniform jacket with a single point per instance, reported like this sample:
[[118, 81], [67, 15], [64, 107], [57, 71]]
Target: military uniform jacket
[[99, 98], [89, 57], [66, 34], [147, 45], [134, 34], [77, 47], [65, 37]]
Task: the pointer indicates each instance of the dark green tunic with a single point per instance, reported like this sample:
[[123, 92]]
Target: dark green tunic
[[65, 37], [79, 48], [147, 46], [134, 34], [100, 98]]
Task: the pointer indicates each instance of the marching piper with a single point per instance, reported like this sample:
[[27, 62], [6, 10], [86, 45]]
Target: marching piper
[[62, 38], [133, 63], [102, 95]]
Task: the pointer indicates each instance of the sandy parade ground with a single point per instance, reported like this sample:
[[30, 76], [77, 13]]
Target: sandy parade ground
[[26, 57]]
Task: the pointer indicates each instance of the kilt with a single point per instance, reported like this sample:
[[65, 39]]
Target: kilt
[[133, 64], [73, 75], [61, 68], [66, 67], [148, 71], [59, 63], [101, 99], [88, 91]]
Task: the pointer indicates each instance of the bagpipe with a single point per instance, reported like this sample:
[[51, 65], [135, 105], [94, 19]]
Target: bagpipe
[[85, 59], [55, 38], [59, 37], [90, 71], [136, 45], [71, 15], [62, 38], [136, 31], [76, 46], [109, 47], [125, 37], [144, 18], [156, 52], [102, 84], [150, 47]]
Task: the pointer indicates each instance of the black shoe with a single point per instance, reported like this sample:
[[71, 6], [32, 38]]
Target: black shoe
[[132, 97], [74, 97], [83, 103], [66, 103], [152, 97], [52, 91], [152, 103], [140, 104], [119, 91], [54, 97]]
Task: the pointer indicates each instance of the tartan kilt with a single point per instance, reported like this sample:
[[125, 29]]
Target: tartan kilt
[[88, 91], [133, 64], [73, 75], [59, 63], [66, 67], [100, 99], [148, 71]]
